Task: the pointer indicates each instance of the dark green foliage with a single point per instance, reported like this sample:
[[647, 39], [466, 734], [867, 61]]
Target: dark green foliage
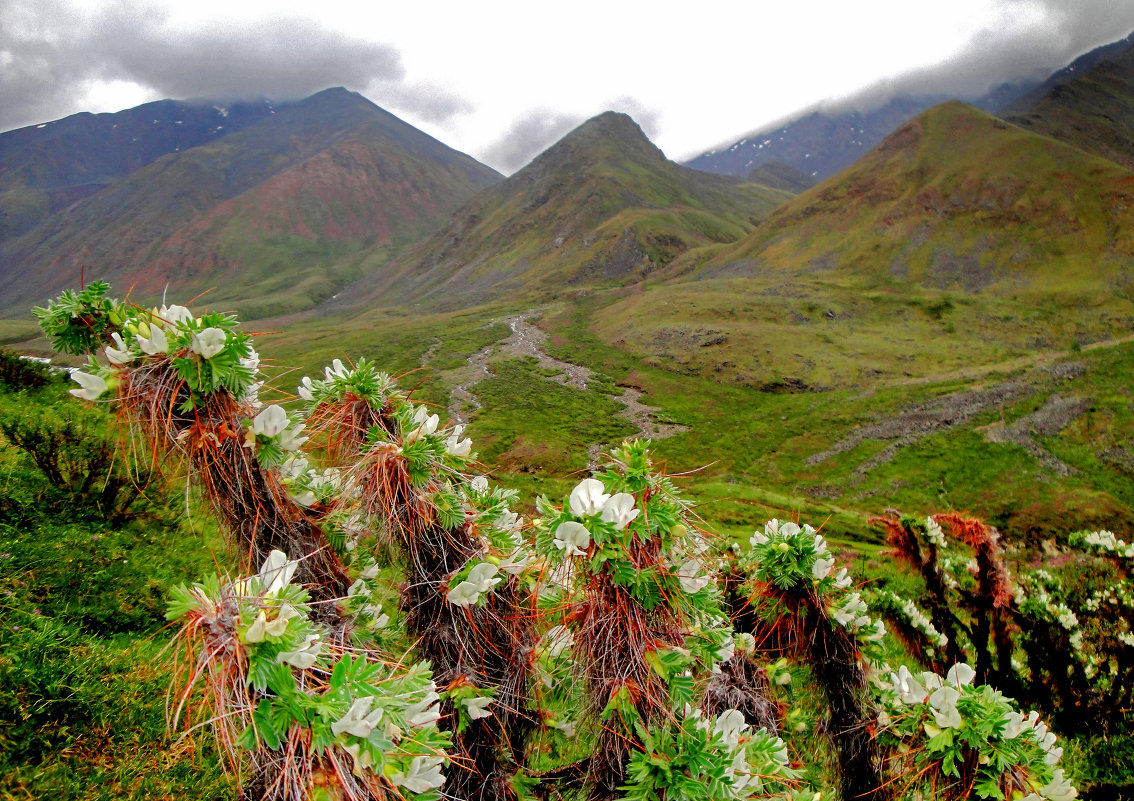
[[74, 466], [17, 373]]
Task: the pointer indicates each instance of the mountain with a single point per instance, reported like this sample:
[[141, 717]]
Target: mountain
[[820, 143], [959, 239], [47, 167], [1091, 106], [272, 214], [1076, 69], [601, 206], [778, 175]]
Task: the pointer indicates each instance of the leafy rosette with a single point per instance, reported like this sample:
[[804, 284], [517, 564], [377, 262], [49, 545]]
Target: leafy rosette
[[970, 733], [796, 558], [499, 529], [82, 322], [362, 381], [303, 692], [707, 759], [209, 353], [630, 521]]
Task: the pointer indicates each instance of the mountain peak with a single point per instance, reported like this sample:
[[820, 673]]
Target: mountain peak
[[609, 137]]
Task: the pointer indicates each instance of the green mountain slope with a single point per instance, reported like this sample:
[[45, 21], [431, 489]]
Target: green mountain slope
[[959, 240], [290, 196], [602, 206], [1094, 112]]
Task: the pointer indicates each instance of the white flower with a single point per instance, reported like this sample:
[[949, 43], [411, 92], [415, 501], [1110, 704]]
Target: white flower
[[336, 370], [1013, 724], [255, 632], [464, 594], [358, 720], [822, 568], [156, 342], [293, 467], [118, 355], [423, 775], [424, 711], [746, 642], [479, 484], [730, 725], [944, 703], [788, 529], [251, 361], [303, 657], [877, 631], [482, 576], [92, 385], [515, 563], [842, 579], [208, 343], [276, 572], [726, 651], [909, 690], [270, 422], [620, 510], [1059, 789], [290, 440], [306, 388], [278, 626], [477, 707], [960, 674], [572, 538], [692, 577], [427, 424], [455, 446], [818, 544], [176, 315], [588, 498]]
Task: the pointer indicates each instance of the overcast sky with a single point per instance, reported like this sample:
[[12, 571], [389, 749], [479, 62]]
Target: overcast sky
[[502, 80]]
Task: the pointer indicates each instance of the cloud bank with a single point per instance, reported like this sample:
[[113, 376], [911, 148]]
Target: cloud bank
[[51, 53]]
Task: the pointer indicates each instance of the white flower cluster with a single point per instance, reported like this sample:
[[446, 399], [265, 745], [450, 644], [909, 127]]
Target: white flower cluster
[[933, 532], [268, 585], [1041, 601], [154, 337], [853, 617], [941, 696], [273, 427], [916, 618], [395, 714], [781, 534], [1016, 725], [309, 486], [1106, 542], [928, 687], [736, 736], [361, 600], [588, 499], [480, 579]]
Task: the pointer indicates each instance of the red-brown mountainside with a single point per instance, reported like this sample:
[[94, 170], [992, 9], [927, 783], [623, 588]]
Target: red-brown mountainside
[[274, 214]]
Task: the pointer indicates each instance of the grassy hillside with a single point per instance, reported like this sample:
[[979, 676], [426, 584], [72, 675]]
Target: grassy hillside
[[960, 240], [602, 206]]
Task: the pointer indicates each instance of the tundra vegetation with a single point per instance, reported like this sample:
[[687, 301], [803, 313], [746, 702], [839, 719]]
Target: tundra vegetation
[[358, 612]]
